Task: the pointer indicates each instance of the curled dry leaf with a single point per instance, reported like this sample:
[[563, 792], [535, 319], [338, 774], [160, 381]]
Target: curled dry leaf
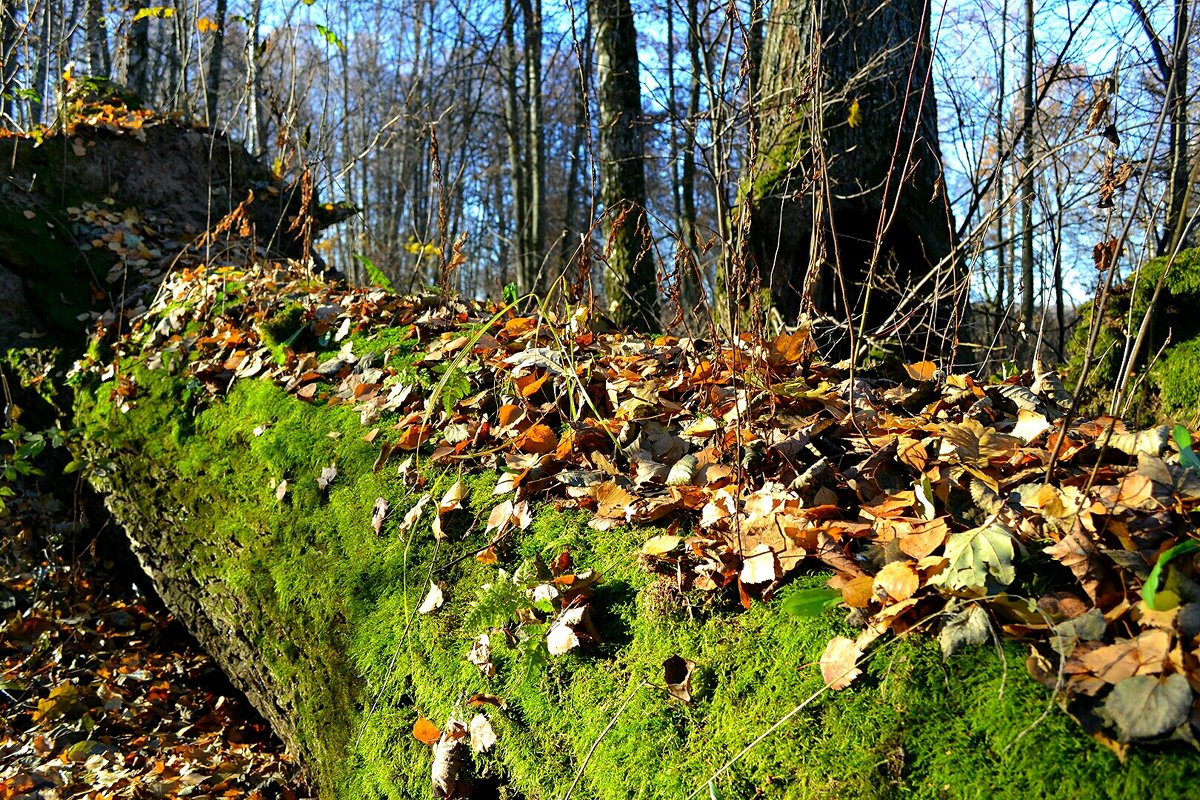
[[379, 513], [453, 498], [433, 599], [677, 676], [327, 477], [761, 566], [898, 579], [414, 513], [481, 655], [425, 731], [449, 754], [660, 545]]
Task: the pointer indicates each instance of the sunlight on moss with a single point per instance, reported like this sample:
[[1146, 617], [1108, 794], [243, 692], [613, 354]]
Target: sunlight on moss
[[330, 604]]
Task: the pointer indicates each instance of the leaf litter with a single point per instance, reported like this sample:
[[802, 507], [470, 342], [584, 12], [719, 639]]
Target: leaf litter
[[928, 499]]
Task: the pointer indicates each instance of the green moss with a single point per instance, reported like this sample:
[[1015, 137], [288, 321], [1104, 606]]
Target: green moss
[[331, 607], [287, 327], [1177, 375], [1171, 394]]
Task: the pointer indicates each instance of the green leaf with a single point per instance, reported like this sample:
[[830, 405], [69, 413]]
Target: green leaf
[[331, 37], [1187, 456], [510, 294], [713, 794], [812, 602], [1153, 584], [976, 555]]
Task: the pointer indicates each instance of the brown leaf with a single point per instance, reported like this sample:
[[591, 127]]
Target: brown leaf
[[898, 579], [677, 675], [539, 439]]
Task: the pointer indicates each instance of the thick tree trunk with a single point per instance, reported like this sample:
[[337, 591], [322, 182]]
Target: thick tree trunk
[[137, 51], [848, 170], [631, 277]]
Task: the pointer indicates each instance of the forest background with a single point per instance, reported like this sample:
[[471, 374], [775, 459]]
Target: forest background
[[471, 127]]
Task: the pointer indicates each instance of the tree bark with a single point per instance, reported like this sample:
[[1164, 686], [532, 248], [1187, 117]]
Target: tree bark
[[137, 63], [99, 63], [847, 157], [631, 278]]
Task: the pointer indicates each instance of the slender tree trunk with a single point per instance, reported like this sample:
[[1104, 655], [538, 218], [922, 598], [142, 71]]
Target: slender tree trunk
[[574, 230], [1175, 225], [44, 55], [691, 289], [515, 123], [1028, 285], [631, 279], [1002, 92], [215, 56], [254, 126], [535, 136], [8, 58]]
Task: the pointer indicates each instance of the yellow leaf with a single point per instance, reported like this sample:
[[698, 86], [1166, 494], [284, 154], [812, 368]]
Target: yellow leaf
[[855, 118], [206, 25]]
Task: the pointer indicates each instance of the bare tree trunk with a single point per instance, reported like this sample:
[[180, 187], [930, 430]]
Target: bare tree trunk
[[514, 128], [631, 279], [691, 289], [215, 57], [1001, 93], [573, 230], [535, 135], [8, 57], [44, 54], [1176, 222], [1028, 287]]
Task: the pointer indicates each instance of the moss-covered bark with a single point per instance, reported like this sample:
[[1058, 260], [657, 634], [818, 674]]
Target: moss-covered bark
[[1164, 380], [313, 614]]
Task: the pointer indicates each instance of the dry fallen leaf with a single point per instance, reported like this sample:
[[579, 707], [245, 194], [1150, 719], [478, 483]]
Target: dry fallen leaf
[[898, 579], [425, 731], [838, 662], [483, 737], [433, 599]]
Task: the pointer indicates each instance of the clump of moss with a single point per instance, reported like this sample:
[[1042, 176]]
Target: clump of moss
[[287, 327], [330, 606], [1174, 330]]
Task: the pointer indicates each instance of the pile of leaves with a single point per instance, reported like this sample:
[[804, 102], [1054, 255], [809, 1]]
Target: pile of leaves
[[938, 501], [102, 693]]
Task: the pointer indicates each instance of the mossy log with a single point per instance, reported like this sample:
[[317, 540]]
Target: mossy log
[[313, 614]]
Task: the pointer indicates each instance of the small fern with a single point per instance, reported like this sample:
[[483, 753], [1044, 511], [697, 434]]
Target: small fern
[[497, 603]]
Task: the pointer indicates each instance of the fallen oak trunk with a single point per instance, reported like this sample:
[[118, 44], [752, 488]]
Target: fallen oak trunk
[[314, 614]]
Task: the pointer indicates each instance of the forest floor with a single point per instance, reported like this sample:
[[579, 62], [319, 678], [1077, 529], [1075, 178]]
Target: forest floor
[[103, 694]]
